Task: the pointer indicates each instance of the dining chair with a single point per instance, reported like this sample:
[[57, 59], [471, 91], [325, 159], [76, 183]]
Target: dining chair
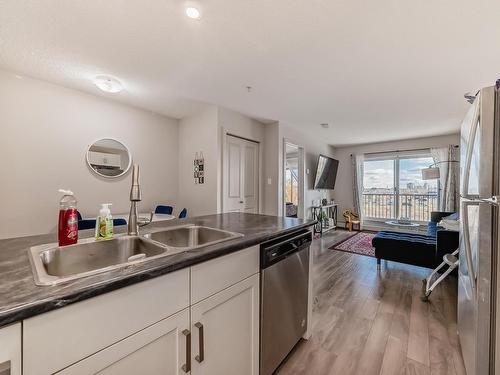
[[183, 213], [85, 223], [164, 210], [90, 223]]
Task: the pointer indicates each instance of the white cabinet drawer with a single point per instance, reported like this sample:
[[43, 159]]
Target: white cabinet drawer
[[157, 349], [59, 338], [10, 350], [215, 275]]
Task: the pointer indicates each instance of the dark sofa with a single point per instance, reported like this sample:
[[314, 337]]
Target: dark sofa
[[424, 250]]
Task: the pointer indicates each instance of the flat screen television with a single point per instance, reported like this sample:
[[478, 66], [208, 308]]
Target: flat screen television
[[326, 173]]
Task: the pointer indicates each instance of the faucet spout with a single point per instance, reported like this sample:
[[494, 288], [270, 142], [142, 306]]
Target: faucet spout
[[135, 190], [133, 224], [135, 196]]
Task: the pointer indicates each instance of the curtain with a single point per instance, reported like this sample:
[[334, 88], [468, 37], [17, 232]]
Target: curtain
[[446, 159], [357, 183]]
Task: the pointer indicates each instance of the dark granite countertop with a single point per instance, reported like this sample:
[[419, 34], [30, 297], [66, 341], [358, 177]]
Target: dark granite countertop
[[20, 298]]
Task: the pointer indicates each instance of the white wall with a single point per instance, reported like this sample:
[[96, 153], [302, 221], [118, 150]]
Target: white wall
[[204, 132], [241, 125], [313, 147], [45, 131], [343, 187], [199, 133], [271, 169], [275, 134]]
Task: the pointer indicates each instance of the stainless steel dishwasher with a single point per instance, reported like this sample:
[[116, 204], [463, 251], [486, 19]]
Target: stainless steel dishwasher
[[284, 264]]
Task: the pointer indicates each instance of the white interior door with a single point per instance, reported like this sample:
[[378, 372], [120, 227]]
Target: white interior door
[[241, 175]]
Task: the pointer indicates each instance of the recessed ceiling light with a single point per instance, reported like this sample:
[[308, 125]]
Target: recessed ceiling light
[[108, 84], [325, 125], [193, 13]]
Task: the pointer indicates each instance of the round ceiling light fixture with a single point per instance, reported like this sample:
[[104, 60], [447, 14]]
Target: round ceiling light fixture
[[193, 13], [108, 84], [325, 125]]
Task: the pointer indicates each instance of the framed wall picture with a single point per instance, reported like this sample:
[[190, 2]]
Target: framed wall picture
[[199, 168]]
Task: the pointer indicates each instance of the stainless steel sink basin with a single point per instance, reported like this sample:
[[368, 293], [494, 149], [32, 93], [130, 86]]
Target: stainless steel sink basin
[[191, 237], [53, 264]]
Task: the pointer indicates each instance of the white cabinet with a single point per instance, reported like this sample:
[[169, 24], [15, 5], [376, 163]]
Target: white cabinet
[[157, 349], [79, 330], [225, 331], [10, 350], [217, 274], [202, 320]]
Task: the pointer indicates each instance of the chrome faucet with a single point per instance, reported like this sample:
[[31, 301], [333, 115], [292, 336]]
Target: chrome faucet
[[135, 196]]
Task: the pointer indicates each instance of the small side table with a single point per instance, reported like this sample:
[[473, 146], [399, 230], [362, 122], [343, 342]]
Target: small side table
[[330, 210]]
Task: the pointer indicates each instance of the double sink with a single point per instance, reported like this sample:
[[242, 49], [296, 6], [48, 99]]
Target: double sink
[[52, 264]]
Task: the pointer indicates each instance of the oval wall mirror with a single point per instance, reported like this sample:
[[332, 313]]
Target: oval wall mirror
[[109, 158]]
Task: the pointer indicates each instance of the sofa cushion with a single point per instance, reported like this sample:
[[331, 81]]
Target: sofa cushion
[[386, 235], [454, 216], [432, 229], [410, 248]]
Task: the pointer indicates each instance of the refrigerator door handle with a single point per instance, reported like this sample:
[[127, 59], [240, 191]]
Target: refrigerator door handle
[[470, 146], [494, 200], [467, 249]]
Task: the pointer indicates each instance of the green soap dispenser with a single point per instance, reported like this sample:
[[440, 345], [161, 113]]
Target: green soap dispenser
[[104, 223]]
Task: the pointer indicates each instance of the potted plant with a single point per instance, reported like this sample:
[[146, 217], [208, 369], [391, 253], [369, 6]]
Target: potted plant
[[323, 218]]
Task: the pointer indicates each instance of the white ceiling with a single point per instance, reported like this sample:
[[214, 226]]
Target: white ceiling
[[374, 70]]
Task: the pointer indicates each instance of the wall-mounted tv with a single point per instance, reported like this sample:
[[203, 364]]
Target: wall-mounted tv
[[326, 173]]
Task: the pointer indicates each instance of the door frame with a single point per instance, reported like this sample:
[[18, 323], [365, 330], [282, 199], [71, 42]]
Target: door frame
[[301, 214], [223, 163]]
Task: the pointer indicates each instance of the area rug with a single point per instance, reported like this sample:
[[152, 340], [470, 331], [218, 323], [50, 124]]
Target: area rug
[[360, 243]]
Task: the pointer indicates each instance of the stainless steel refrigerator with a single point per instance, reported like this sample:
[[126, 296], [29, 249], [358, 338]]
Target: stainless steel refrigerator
[[479, 190]]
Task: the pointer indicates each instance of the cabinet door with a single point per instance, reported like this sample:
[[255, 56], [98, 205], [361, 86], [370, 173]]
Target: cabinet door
[[10, 350], [82, 329], [157, 349], [225, 331]]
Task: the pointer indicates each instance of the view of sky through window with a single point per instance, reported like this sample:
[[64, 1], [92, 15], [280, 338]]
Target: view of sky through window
[[393, 188], [379, 174]]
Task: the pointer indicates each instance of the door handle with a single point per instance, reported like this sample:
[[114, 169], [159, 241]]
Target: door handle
[[187, 366], [493, 200], [466, 236], [200, 357], [242, 202], [472, 139]]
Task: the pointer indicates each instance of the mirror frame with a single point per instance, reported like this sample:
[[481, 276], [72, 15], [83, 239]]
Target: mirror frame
[[129, 165]]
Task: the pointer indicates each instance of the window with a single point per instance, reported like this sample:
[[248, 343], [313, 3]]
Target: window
[[393, 187]]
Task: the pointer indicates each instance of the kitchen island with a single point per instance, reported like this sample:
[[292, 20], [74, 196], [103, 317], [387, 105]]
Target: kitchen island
[[129, 300]]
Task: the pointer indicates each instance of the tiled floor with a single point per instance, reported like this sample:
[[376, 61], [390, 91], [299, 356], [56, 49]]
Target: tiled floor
[[370, 323]]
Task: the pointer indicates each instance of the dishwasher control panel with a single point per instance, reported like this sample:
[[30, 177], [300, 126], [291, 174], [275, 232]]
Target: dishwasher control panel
[[279, 248]]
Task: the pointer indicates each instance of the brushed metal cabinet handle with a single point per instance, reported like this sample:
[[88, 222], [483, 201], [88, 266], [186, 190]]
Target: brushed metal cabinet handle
[[187, 366], [201, 357]]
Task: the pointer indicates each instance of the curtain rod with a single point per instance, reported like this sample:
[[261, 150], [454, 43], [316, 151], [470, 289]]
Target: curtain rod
[[396, 151]]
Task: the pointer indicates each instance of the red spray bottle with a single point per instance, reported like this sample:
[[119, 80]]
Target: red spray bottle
[[68, 219]]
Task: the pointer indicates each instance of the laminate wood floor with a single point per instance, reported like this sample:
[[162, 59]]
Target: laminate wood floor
[[373, 322]]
